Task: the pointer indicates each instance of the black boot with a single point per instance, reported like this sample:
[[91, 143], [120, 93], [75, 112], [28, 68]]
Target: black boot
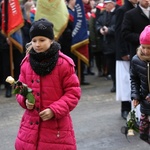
[[8, 92], [85, 83], [125, 109], [113, 89]]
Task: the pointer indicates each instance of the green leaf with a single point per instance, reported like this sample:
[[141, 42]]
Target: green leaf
[[132, 121], [24, 91], [30, 98], [16, 91]]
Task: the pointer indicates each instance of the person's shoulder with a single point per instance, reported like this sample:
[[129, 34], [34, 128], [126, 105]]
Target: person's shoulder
[[135, 58], [123, 8], [66, 58], [131, 11], [120, 11], [117, 7], [26, 58]]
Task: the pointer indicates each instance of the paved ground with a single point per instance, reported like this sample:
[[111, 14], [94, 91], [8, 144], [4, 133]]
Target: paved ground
[[96, 119]]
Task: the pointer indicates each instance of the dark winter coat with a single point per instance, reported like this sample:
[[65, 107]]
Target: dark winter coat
[[94, 37], [133, 24], [65, 39], [139, 83], [121, 45], [25, 34], [3, 43], [108, 41]]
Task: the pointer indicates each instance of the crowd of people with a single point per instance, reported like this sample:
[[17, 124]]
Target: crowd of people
[[5, 69], [117, 46], [116, 31]]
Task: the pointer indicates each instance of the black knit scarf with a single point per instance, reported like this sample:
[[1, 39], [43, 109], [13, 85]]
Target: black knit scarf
[[43, 63]]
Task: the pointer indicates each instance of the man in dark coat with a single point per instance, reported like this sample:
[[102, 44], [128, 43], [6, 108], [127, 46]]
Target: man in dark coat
[[95, 43], [133, 24], [123, 61], [105, 26]]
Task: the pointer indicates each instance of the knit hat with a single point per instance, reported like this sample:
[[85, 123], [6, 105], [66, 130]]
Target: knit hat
[[145, 36], [42, 27]]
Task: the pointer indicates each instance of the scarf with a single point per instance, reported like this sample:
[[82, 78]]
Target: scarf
[[43, 63]]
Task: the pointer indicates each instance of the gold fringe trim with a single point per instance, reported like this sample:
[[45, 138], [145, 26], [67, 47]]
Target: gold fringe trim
[[18, 46], [79, 55]]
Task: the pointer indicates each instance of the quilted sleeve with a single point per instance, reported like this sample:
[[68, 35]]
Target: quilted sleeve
[[71, 88]]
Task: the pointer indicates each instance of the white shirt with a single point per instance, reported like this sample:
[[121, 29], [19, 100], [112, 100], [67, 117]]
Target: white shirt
[[146, 11]]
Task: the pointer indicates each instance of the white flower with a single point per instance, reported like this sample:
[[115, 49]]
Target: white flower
[[21, 88], [10, 80], [130, 132]]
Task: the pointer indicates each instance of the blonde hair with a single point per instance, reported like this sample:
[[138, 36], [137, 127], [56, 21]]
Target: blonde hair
[[28, 47], [141, 55], [27, 8]]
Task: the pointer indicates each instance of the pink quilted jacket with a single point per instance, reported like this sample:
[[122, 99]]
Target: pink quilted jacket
[[60, 91]]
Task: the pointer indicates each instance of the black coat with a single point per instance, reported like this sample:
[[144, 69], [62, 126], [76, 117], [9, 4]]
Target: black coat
[[25, 34], [108, 41], [121, 45], [133, 24], [94, 37], [65, 39], [3, 43], [139, 83]]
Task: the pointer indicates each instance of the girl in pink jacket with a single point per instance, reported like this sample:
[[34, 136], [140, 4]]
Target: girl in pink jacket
[[46, 124]]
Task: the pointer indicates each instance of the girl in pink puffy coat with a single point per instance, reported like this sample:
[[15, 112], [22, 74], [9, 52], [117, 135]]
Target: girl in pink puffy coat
[[46, 124]]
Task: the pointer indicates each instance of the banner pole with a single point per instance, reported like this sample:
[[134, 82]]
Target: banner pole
[[79, 69], [11, 59]]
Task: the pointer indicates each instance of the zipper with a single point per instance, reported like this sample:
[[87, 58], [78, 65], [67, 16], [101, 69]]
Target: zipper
[[148, 73]]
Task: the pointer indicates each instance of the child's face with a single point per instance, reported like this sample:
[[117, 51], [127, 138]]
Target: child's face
[[146, 49], [41, 43]]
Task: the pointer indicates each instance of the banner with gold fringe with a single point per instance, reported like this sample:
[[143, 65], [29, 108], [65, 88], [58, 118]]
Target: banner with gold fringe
[[80, 38], [12, 21]]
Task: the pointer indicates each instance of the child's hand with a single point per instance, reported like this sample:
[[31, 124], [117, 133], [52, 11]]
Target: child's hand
[[8, 41], [148, 98], [135, 102], [29, 105], [126, 57], [46, 114]]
